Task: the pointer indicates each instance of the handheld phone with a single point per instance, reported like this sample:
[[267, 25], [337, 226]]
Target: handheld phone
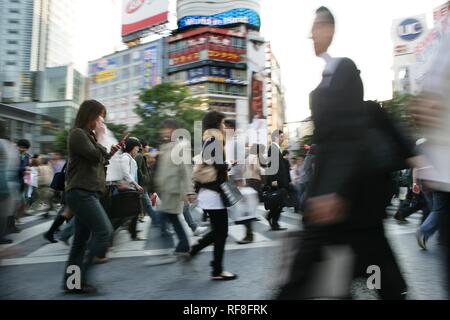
[[122, 141]]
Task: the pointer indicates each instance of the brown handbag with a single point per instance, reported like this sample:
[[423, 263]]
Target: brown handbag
[[203, 173]]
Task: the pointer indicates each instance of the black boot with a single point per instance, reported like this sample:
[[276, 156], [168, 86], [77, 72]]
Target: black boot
[[11, 225], [49, 235], [248, 234]]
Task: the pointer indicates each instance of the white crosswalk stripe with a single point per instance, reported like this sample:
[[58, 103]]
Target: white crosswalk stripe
[[124, 247], [26, 234]]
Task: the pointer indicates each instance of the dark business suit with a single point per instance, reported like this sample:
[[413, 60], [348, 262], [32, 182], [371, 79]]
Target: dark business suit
[[340, 122], [283, 179]]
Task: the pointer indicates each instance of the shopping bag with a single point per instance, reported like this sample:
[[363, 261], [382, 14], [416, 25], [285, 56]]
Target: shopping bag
[[245, 209]]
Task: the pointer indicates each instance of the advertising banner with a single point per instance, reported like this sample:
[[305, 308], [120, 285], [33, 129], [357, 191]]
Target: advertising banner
[[224, 55], [407, 32], [104, 70], [150, 67], [441, 17], [184, 58], [139, 15], [234, 16], [425, 51], [256, 99]]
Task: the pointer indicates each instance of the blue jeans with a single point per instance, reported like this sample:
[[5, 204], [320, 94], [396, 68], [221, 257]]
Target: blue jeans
[[439, 207], [183, 244], [149, 209], [188, 217], [68, 230], [91, 222]]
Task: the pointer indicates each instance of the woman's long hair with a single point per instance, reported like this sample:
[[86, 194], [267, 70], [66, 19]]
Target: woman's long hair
[[89, 111]]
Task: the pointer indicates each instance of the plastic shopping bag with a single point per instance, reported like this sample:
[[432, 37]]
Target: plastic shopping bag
[[245, 209]]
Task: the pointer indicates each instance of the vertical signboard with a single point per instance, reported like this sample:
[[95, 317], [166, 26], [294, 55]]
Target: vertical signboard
[[150, 67], [256, 99]]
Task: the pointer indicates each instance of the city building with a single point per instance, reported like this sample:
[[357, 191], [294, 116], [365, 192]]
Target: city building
[[415, 46], [212, 63], [276, 103], [34, 34], [209, 52], [58, 93], [23, 122], [117, 79]]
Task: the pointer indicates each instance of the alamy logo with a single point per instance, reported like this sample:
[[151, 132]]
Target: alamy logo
[[74, 280], [374, 280]]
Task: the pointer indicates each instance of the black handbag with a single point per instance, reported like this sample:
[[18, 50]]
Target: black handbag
[[274, 198], [230, 193], [59, 179], [125, 204]]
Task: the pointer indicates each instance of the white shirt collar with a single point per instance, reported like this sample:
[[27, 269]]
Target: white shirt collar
[[326, 56]]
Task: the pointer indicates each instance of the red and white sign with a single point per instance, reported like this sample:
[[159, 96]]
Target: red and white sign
[[139, 15], [224, 55], [441, 17]]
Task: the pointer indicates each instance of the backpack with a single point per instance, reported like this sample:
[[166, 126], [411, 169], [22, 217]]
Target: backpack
[[383, 153]]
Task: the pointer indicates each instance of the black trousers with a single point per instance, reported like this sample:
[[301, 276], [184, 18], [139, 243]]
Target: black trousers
[[218, 236], [274, 215], [370, 247]]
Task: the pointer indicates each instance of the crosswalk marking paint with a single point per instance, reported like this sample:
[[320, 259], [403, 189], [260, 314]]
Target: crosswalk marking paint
[[23, 236]]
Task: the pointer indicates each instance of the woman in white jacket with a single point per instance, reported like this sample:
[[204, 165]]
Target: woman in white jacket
[[129, 170]]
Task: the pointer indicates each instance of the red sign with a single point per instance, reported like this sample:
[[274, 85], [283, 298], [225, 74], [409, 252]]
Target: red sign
[[256, 99], [441, 12], [223, 55], [185, 58], [134, 5]]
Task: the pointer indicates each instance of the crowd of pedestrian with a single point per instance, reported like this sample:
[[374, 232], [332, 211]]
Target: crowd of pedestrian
[[358, 163]]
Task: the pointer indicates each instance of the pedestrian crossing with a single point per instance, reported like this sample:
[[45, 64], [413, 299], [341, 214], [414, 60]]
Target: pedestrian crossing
[[124, 247]]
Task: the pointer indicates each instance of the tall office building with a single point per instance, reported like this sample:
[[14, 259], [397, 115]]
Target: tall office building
[[34, 34]]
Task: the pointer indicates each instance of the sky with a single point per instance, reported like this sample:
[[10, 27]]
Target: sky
[[363, 33]]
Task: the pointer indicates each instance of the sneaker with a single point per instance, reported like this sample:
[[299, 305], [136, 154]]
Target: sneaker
[[98, 260], [421, 239], [200, 230], [245, 241]]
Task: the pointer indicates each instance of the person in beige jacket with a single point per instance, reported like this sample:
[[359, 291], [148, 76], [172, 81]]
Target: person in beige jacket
[[173, 182]]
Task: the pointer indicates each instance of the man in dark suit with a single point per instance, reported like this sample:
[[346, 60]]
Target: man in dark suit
[[279, 179], [346, 202]]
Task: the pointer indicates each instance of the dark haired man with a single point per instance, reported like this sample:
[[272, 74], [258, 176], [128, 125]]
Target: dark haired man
[[346, 202], [279, 180]]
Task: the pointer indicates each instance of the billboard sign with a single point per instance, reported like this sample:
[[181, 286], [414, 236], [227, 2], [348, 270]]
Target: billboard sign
[[212, 74], [406, 33], [234, 16], [184, 58], [150, 67], [141, 15], [441, 17], [189, 56], [256, 110], [409, 29], [104, 70]]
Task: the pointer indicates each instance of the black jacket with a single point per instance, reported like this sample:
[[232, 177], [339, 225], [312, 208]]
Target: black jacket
[[213, 151], [282, 175], [340, 122]]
